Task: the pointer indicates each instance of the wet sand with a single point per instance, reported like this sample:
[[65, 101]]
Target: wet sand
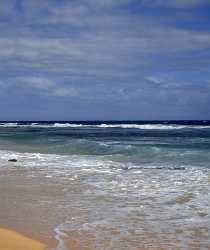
[[25, 205], [35, 205]]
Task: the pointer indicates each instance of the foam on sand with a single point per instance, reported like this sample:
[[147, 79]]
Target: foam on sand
[[10, 240]]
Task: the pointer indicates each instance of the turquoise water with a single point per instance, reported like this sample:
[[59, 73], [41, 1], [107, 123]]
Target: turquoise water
[[158, 173], [161, 145]]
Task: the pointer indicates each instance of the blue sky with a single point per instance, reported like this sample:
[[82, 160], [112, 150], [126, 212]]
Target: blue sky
[[104, 59]]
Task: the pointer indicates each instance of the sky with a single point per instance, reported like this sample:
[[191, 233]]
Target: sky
[[104, 59]]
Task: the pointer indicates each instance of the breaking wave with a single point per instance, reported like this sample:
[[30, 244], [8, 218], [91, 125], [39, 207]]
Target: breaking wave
[[104, 125]]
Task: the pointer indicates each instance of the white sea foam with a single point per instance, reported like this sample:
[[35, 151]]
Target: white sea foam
[[42, 125], [9, 124], [60, 163], [143, 126], [68, 125], [59, 234], [124, 126]]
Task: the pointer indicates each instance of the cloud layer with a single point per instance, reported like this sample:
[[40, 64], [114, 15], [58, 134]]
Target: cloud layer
[[126, 54]]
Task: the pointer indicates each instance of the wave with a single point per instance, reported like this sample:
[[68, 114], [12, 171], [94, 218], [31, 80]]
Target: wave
[[93, 163], [41, 125], [63, 162], [142, 126], [123, 126]]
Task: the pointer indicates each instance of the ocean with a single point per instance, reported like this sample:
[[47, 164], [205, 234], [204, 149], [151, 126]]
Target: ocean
[[108, 184]]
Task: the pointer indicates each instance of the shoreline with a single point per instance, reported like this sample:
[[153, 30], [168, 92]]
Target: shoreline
[[83, 202]]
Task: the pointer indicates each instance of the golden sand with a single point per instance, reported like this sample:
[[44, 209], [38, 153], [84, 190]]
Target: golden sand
[[10, 240]]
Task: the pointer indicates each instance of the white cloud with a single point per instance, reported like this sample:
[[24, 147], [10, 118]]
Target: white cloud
[[42, 85], [154, 79], [36, 82], [64, 92], [103, 49]]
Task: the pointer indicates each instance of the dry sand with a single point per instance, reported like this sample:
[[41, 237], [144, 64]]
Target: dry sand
[[10, 240]]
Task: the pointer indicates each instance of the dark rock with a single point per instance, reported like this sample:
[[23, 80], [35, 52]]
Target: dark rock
[[178, 168], [12, 160]]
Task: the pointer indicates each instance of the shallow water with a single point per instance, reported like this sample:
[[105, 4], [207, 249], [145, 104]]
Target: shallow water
[[107, 186]]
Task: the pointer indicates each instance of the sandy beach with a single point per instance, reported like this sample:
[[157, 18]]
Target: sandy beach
[[34, 206], [31, 210], [10, 240]]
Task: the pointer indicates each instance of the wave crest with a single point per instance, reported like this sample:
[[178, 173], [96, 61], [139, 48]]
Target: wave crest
[[104, 125]]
